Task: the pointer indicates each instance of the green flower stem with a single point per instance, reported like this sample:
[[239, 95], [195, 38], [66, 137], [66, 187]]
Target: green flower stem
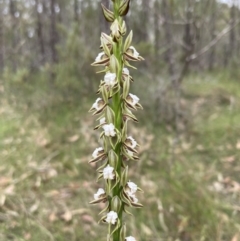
[[117, 102]]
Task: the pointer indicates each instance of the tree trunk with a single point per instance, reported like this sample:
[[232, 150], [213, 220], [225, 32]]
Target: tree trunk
[[76, 10], [12, 9], [213, 35], [156, 29], [40, 33], [104, 26], [169, 40], [144, 21], [232, 36], [1, 39], [53, 32]]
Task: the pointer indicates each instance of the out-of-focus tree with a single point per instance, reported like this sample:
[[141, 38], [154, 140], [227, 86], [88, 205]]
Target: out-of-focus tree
[[1, 38]]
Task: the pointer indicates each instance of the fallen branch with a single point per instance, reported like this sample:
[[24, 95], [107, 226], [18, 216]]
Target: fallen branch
[[212, 43]]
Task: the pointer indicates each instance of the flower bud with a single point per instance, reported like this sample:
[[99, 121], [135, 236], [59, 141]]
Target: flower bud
[[132, 54], [123, 232], [126, 87], [98, 106], [101, 59], [114, 65], [113, 159], [109, 15], [98, 155], [106, 43], [116, 204], [115, 30], [132, 102], [124, 177], [124, 8], [110, 115], [128, 41], [123, 28]]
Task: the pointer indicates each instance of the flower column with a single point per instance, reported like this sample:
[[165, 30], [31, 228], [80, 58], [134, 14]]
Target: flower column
[[115, 110]]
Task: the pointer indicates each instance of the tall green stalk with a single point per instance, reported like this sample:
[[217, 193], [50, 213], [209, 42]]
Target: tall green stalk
[[115, 110]]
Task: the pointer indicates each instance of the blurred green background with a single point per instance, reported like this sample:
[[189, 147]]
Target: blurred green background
[[189, 130]]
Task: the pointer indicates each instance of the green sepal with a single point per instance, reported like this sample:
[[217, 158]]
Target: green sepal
[[140, 190], [98, 200], [99, 177], [123, 232], [116, 204], [113, 64], [105, 209], [124, 8], [109, 15], [124, 199], [106, 49], [113, 159], [126, 87], [129, 65], [123, 28], [101, 71], [128, 41], [124, 131], [117, 179], [102, 166], [110, 115], [102, 219], [137, 205], [124, 177], [126, 211], [115, 90], [105, 93], [117, 227]]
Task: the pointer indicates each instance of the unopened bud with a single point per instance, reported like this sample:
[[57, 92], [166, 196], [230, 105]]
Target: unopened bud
[[114, 65], [124, 177], [116, 204], [113, 159], [124, 8], [123, 232], [109, 15]]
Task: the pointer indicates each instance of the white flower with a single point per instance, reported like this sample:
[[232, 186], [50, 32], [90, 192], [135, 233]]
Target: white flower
[[130, 238], [132, 186], [112, 217], [96, 152], [96, 104], [135, 200], [115, 28], [110, 78], [109, 130], [133, 142], [99, 57], [108, 173], [135, 52], [135, 99], [102, 120], [99, 193], [130, 153], [126, 71]]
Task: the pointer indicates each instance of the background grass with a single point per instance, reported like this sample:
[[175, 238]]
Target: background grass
[[191, 187]]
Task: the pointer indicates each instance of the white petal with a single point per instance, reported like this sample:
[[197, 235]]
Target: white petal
[[134, 143], [99, 193], [133, 187], [96, 152], [135, 52], [112, 217], [108, 172], [126, 71], [130, 238], [99, 57]]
